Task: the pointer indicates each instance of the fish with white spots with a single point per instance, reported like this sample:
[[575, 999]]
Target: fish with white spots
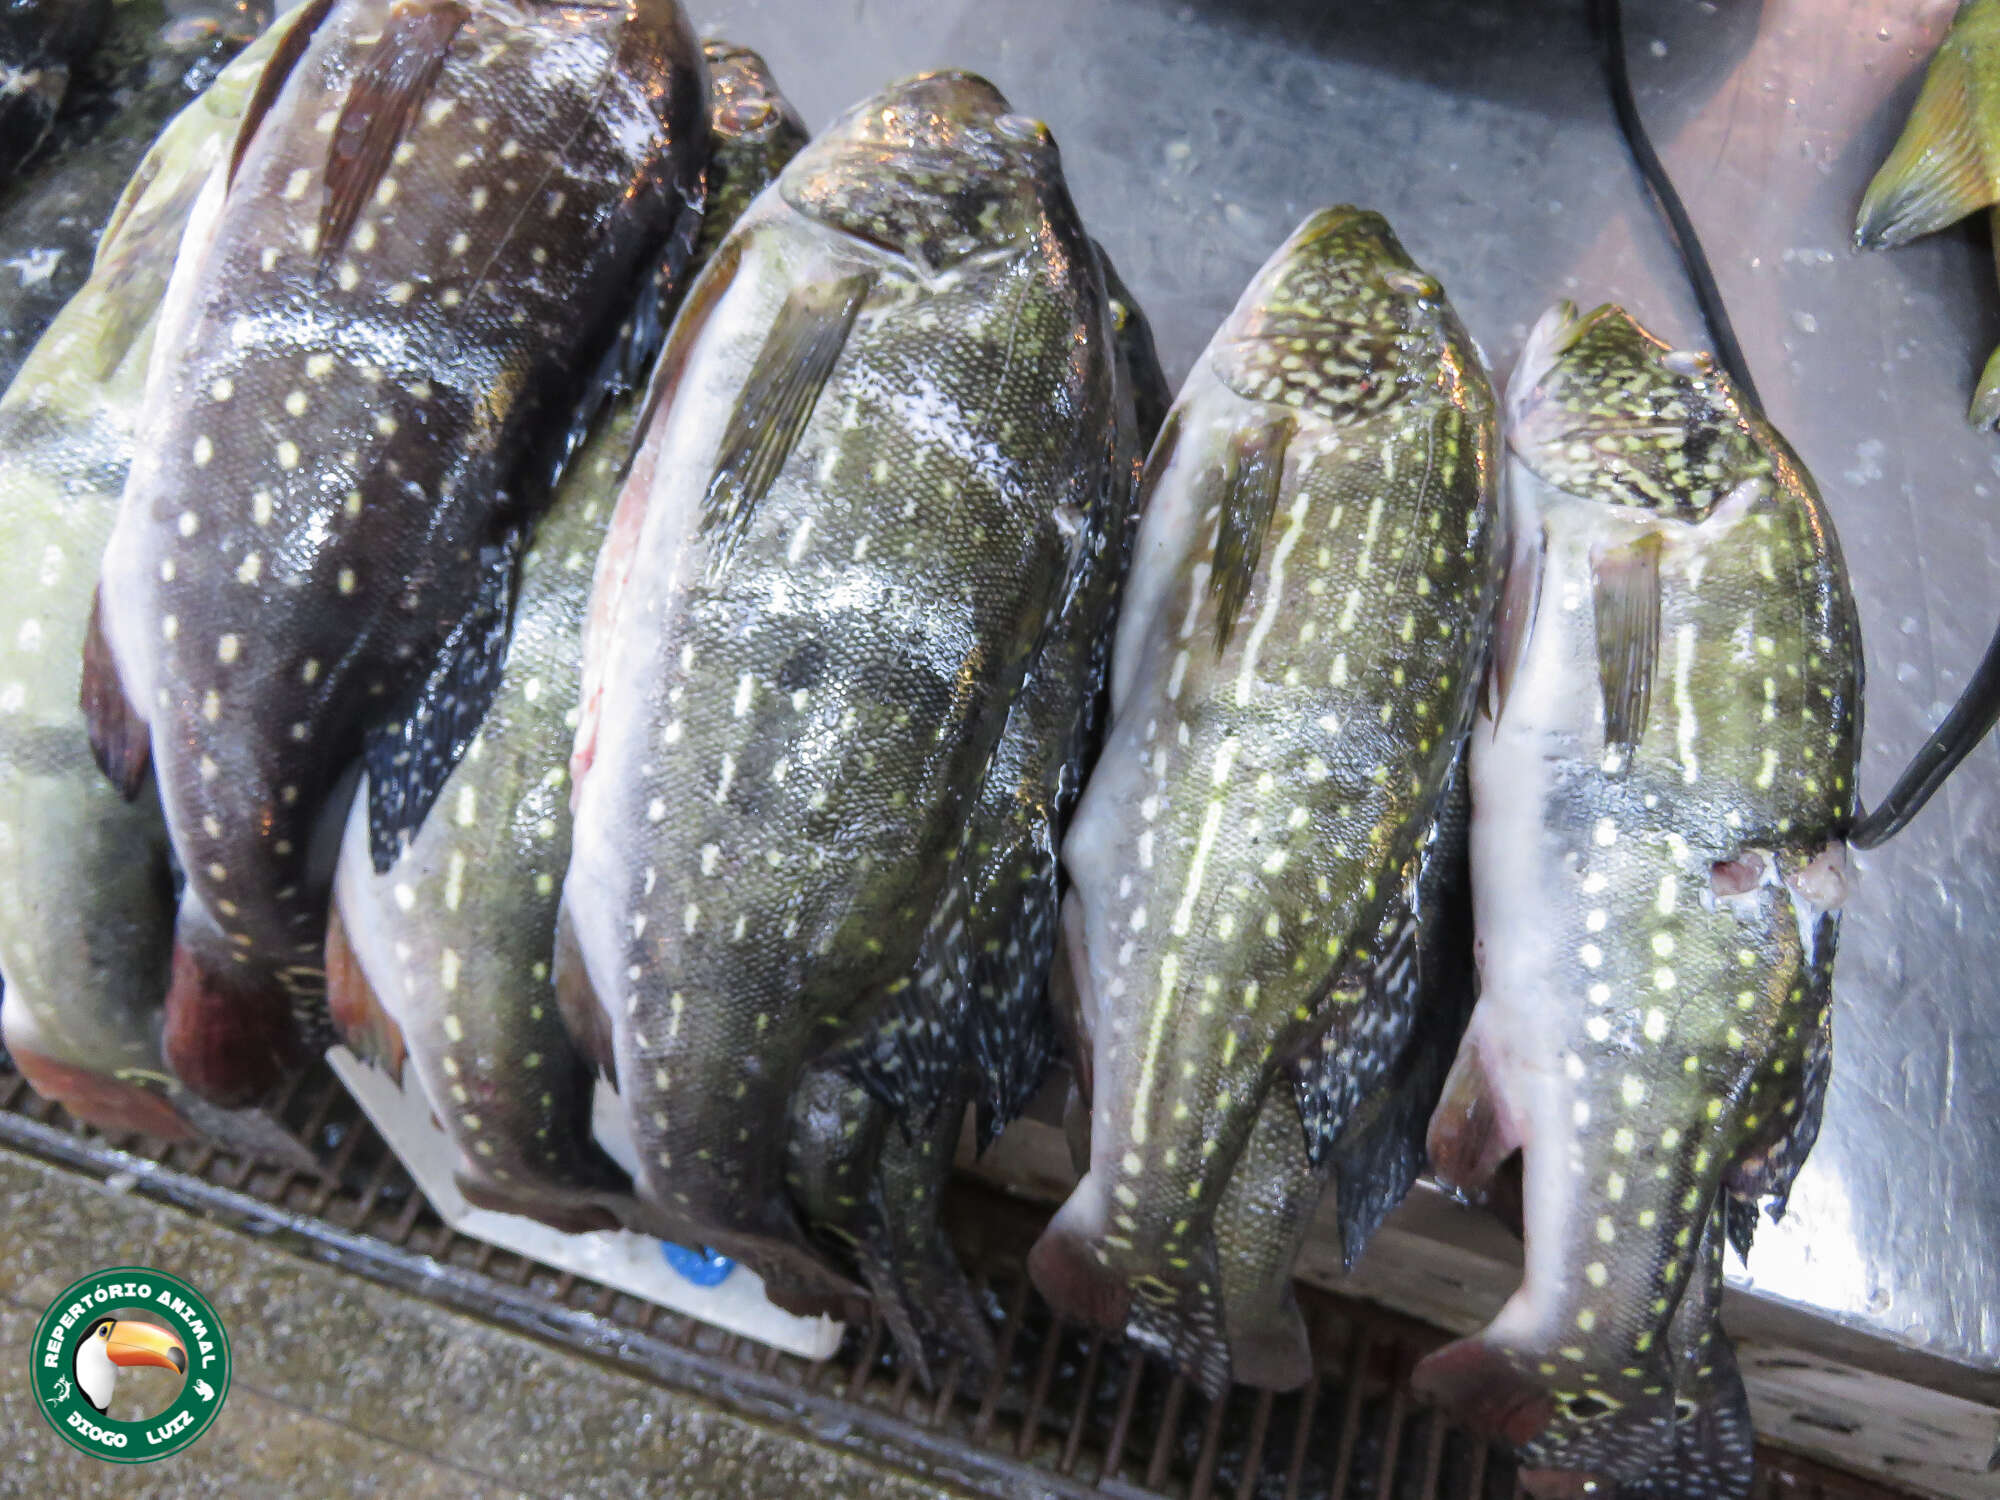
[[1306, 615], [442, 963], [1663, 777], [86, 886], [879, 458], [426, 235], [874, 1188]]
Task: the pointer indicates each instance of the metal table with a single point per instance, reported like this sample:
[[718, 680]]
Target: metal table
[[1196, 136]]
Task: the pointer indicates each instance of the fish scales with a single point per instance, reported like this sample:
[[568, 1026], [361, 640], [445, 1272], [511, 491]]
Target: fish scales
[[1658, 868], [86, 888], [455, 943], [876, 1189], [821, 630], [1304, 617], [331, 442]]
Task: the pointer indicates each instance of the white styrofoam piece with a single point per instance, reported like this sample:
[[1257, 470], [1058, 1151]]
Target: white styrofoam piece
[[615, 1257]]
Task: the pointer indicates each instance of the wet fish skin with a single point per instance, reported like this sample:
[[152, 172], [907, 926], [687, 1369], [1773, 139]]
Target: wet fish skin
[[321, 496], [1369, 1108], [1262, 788], [86, 891], [49, 228], [756, 132], [1946, 163], [877, 1186], [820, 634], [1658, 868], [39, 42], [474, 895]]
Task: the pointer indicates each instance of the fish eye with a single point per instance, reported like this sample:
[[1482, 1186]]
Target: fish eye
[[1412, 284], [1687, 363]]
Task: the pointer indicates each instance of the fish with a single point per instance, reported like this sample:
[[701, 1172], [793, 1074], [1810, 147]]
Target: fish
[[858, 1175], [40, 40], [1946, 163], [372, 345], [1663, 773], [875, 465], [86, 881], [442, 963], [1294, 663], [156, 64]]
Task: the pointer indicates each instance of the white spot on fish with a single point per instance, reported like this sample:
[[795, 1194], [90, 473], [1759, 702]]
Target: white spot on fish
[[227, 649]]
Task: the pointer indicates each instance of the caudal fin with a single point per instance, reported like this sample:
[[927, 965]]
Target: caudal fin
[[1569, 1429], [231, 1041], [113, 1105]]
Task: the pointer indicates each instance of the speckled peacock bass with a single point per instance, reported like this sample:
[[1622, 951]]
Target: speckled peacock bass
[[443, 962], [1663, 777], [1302, 633]]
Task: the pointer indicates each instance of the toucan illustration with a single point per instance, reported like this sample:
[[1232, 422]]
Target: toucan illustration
[[111, 1342]]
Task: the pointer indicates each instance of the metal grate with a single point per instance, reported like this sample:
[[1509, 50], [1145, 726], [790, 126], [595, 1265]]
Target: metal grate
[[1072, 1413]]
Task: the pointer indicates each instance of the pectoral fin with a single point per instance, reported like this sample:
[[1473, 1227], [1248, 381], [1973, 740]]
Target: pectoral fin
[[1246, 493], [398, 73], [777, 401], [285, 56], [1626, 583], [1941, 169], [1515, 627], [119, 736]]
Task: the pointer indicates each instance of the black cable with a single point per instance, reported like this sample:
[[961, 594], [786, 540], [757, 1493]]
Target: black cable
[[1607, 17], [1978, 708]]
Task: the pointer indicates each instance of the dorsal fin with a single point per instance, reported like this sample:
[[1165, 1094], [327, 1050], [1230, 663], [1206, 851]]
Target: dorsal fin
[[1247, 494], [399, 71], [119, 735], [298, 35], [777, 401]]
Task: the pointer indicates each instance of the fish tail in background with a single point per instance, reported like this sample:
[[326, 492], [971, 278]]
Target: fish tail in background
[[233, 1041], [113, 1102], [1985, 410], [359, 1018], [1946, 163]]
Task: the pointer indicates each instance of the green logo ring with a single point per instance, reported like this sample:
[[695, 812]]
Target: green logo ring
[[147, 1314]]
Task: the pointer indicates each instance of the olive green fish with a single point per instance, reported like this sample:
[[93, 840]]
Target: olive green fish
[[445, 958], [1304, 620], [1663, 777], [872, 1186], [86, 888], [1946, 163], [878, 461], [155, 58]]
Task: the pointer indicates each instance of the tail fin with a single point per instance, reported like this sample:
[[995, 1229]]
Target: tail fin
[[232, 1041], [1611, 1430], [113, 1105]]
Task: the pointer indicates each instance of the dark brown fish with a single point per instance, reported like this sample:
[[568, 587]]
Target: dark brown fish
[[434, 218]]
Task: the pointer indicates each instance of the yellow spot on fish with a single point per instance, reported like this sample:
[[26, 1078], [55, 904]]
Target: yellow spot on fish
[[453, 1030], [227, 649], [288, 454]]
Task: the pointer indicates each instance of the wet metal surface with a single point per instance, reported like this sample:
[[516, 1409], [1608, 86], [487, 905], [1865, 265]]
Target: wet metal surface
[[1196, 135]]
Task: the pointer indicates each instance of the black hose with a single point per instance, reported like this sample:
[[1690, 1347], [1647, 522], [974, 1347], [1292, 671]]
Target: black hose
[[1608, 20], [1978, 708]]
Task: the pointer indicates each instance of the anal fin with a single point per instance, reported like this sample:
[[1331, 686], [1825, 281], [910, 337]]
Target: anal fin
[[1940, 169], [119, 736], [582, 1012], [1626, 583], [777, 401], [392, 82], [1468, 1139]]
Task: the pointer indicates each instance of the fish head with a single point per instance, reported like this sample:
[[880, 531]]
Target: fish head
[[746, 112], [1600, 408], [1342, 323], [935, 169]]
